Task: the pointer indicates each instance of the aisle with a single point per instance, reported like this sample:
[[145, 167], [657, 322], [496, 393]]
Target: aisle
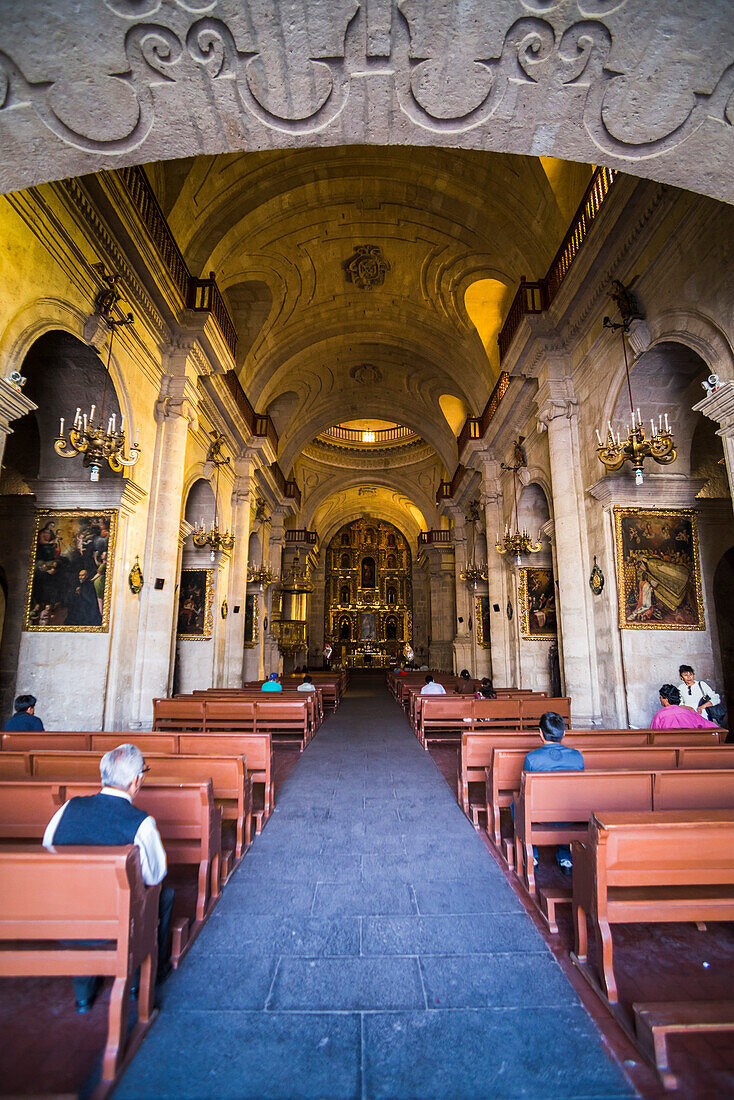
[[368, 946]]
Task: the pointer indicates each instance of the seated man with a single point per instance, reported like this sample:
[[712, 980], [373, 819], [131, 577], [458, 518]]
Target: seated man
[[109, 818], [432, 688], [307, 685], [672, 716], [271, 684], [552, 756], [24, 717]]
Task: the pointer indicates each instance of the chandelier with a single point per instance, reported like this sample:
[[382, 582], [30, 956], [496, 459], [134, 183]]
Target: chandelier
[[212, 537], [89, 436], [516, 542], [473, 572], [296, 579], [262, 576], [636, 447]]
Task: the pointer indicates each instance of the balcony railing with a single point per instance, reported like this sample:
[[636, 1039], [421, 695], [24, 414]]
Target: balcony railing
[[300, 534], [537, 297], [377, 437], [434, 538], [198, 294], [476, 426], [289, 489], [259, 424], [446, 489]]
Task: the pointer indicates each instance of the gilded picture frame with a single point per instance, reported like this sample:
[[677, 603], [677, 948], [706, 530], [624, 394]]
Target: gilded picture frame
[[252, 624], [537, 598], [69, 587], [194, 618], [482, 618], [658, 569]]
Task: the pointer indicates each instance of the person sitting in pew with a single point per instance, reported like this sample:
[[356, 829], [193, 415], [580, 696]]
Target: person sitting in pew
[[465, 685], [432, 688], [24, 717], [552, 756], [306, 685], [672, 716], [486, 690], [271, 684], [109, 818]]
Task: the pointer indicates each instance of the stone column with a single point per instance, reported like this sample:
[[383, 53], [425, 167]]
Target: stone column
[[235, 625], [463, 650], [13, 405], [557, 413], [719, 406], [443, 610], [175, 410], [272, 658], [499, 591]]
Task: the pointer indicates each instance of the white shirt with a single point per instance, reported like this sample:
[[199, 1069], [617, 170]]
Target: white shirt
[[147, 839], [305, 687], [691, 697], [433, 689]]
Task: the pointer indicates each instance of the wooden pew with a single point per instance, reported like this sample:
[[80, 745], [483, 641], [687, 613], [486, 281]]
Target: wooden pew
[[83, 894], [178, 715], [442, 716], [687, 789], [189, 823], [655, 1021], [649, 867], [532, 708], [504, 774], [232, 784]]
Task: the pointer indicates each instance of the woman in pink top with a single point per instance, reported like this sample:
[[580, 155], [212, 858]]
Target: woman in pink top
[[673, 716]]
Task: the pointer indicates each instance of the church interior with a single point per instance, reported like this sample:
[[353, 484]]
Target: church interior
[[375, 394]]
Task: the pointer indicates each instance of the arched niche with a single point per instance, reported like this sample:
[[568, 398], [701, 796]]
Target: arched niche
[[62, 374], [200, 504], [532, 510]]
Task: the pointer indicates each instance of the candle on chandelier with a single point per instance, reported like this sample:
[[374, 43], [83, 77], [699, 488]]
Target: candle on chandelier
[[113, 422], [122, 423], [666, 423], [85, 422], [61, 426], [652, 427], [639, 418], [598, 437], [78, 418], [633, 420], [91, 415], [137, 436]]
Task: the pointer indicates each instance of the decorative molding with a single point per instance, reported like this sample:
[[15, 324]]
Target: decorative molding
[[366, 374], [657, 491]]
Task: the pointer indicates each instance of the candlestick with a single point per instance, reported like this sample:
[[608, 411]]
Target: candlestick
[[599, 437], [61, 426]]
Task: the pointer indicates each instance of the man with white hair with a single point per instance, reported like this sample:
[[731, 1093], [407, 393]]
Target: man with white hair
[[109, 818]]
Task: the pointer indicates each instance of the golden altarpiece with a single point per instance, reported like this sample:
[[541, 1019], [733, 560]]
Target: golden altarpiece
[[369, 594]]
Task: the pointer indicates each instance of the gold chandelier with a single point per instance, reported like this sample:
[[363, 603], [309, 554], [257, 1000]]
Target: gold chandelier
[[517, 542], [636, 447], [261, 576], [212, 537], [473, 572], [91, 438]]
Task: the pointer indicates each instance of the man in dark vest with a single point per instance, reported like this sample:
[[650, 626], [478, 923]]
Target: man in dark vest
[[24, 717], [110, 818]]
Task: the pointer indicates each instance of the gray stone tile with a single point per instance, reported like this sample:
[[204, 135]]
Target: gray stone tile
[[343, 899], [228, 931], [494, 981], [247, 1056], [347, 984], [219, 982], [255, 896], [488, 895], [536, 1053], [446, 935]]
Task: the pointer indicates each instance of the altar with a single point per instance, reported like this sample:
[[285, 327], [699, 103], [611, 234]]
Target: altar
[[364, 657]]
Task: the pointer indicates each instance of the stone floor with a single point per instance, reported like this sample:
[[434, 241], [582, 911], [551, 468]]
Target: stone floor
[[369, 946]]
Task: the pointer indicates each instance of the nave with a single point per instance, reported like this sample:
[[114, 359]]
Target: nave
[[369, 946]]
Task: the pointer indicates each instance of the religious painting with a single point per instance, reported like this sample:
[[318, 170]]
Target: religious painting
[[70, 575], [482, 608], [658, 569], [537, 595], [252, 633], [195, 594], [367, 621]]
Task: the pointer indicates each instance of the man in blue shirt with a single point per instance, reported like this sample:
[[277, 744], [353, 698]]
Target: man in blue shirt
[[24, 717], [271, 684], [552, 756]]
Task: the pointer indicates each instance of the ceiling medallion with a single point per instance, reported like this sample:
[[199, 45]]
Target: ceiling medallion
[[366, 374], [367, 267]]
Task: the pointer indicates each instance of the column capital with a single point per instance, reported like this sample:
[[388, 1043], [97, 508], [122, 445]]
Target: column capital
[[555, 398]]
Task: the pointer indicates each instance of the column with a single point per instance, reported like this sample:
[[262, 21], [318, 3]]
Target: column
[[443, 610], [175, 410], [463, 654], [274, 553], [13, 405], [719, 406], [234, 642], [558, 415], [503, 674]]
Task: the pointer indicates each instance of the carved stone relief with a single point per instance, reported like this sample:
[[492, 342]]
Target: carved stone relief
[[366, 267]]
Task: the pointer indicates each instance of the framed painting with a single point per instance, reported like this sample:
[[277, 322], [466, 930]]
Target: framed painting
[[252, 626], [482, 617], [658, 569], [70, 575], [195, 595], [537, 595]]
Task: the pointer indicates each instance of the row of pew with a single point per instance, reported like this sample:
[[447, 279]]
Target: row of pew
[[210, 787], [651, 825]]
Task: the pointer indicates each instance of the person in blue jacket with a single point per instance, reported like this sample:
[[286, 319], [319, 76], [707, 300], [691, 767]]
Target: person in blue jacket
[[24, 717], [271, 684]]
